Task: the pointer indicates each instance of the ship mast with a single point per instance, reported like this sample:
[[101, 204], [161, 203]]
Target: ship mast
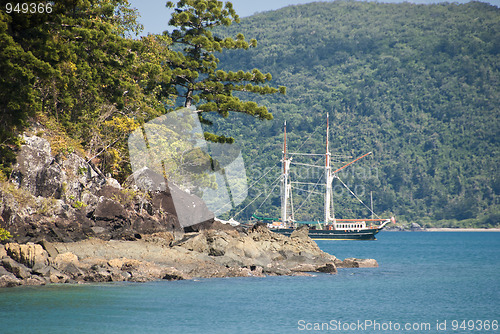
[[285, 184], [328, 177]]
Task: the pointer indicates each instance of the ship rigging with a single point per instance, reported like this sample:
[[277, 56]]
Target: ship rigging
[[331, 227]]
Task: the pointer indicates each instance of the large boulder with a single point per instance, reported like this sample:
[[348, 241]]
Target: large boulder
[[275, 254], [189, 209], [65, 199], [416, 227], [8, 280], [108, 210], [19, 270], [356, 263], [30, 254], [32, 159], [38, 172]]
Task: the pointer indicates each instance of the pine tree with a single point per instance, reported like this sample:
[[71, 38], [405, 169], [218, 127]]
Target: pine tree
[[77, 68], [195, 74], [19, 69]]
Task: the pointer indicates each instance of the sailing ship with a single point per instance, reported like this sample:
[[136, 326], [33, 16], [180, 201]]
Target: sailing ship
[[331, 227]]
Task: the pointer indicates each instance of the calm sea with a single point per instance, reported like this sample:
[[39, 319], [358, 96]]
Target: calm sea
[[427, 282]]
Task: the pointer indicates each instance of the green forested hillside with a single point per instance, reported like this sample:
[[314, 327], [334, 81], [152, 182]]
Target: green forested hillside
[[419, 85]]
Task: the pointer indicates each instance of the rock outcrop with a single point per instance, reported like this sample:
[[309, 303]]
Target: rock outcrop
[[416, 227], [356, 263], [210, 253], [64, 199], [189, 209], [71, 224]]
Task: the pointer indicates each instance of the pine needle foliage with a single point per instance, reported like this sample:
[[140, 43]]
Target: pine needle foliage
[[195, 74]]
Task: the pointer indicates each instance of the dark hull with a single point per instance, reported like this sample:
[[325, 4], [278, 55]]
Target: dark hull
[[367, 234]]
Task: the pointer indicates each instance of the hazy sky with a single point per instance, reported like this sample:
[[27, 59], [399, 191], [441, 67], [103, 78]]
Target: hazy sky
[[155, 16]]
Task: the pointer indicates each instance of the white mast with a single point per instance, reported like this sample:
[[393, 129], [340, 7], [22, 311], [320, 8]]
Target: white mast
[[328, 178], [371, 202], [285, 186]]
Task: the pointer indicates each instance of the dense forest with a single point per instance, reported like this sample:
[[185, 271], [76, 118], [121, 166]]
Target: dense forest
[[72, 70], [77, 73], [419, 85]]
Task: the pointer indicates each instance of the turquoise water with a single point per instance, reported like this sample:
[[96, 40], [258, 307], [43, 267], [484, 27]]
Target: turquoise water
[[423, 280]]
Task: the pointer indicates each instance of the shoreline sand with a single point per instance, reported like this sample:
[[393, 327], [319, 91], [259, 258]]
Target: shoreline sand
[[450, 229]]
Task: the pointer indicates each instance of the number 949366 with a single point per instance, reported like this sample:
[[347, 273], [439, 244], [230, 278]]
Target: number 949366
[[474, 325], [28, 7]]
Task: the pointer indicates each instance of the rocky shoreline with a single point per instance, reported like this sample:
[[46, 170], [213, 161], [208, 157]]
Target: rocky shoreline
[[206, 254], [71, 224]]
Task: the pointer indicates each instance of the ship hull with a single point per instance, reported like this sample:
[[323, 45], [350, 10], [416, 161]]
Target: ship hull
[[365, 234]]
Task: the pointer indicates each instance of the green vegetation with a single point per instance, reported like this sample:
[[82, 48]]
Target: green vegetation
[[79, 205], [73, 70], [79, 72], [4, 234], [419, 85], [195, 77]]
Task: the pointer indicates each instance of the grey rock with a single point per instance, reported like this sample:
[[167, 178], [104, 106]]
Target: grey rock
[[108, 209], [189, 209], [50, 181], [4, 271], [174, 275], [9, 280], [98, 276], [3, 252], [34, 280], [327, 268], [356, 263], [55, 276], [15, 268], [49, 248], [147, 179], [43, 175], [64, 198], [72, 270], [113, 183], [304, 267], [302, 233], [276, 270], [415, 227], [44, 272], [98, 229], [30, 254], [276, 254], [32, 158], [52, 275]]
